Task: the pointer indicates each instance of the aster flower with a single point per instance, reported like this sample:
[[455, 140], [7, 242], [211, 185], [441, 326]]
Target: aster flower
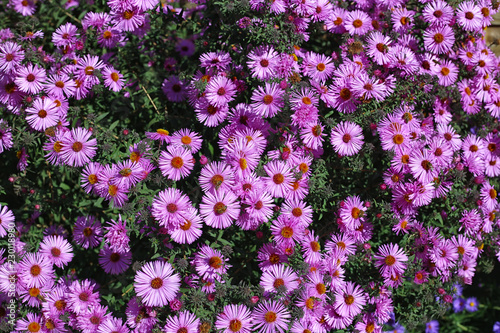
[[378, 47], [91, 320], [347, 138], [279, 279], [438, 12], [42, 114], [11, 56], [263, 62], [170, 207], [439, 40], [209, 114], [234, 319], [64, 35], [185, 322], [35, 270], [280, 177], [113, 262], [161, 134], [187, 139], [86, 68], [128, 19], [432, 327], [113, 325], [57, 250], [268, 101], [220, 91], [219, 209], [32, 323], [116, 236], [312, 135], [489, 196], [210, 264], [139, 316], [77, 149], [216, 176], [60, 85], [270, 316], [357, 23], [113, 79], [6, 220], [188, 231], [87, 232], [352, 212], [5, 136], [287, 231], [29, 78], [319, 67], [176, 163], [174, 89], [90, 173], [349, 300], [156, 283], [391, 260], [218, 60], [469, 16]]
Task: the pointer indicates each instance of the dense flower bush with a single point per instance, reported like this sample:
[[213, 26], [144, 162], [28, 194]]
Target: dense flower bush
[[248, 166]]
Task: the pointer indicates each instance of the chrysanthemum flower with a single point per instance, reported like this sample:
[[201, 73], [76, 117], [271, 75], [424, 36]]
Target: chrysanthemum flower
[[219, 209], [234, 319], [77, 149], [349, 301], [176, 163], [184, 322], [156, 283], [347, 138], [269, 317], [57, 250], [210, 264]]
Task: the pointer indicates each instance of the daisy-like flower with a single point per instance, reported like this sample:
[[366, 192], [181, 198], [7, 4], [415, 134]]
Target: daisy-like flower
[[349, 300], [6, 220], [77, 149], [87, 232], [218, 60], [174, 89], [189, 230], [113, 79], [184, 322], [60, 85], [176, 163], [447, 73], [489, 196], [170, 207], [270, 316], [90, 173], [210, 264], [114, 262], [187, 138], [32, 323], [352, 212], [312, 135], [11, 56], [30, 78], [113, 325], [116, 236], [439, 40], [57, 250], [66, 34], [287, 231], [161, 134], [268, 101], [438, 12], [35, 270], [216, 176], [156, 283], [219, 209], [209, 114], [378, 47], [260, 205], [128, 19], [234, 319], [357, 23], [279, 180], [42, 114], [56, 301], [220, 91], [319, 67], [263, 62], [347, 138], [422, 166], [5, 137], [93, 319], [469, 16], [24, 7], [391, 260], [279, 279]]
